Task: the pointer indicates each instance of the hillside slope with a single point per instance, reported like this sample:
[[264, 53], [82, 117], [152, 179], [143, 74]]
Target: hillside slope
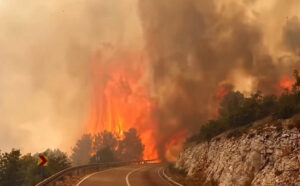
[[267, 153]]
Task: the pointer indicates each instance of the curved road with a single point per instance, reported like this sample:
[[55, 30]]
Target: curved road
[[135, 175]]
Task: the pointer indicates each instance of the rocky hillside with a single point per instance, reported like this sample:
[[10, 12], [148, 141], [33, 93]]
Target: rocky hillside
[[266, 153]]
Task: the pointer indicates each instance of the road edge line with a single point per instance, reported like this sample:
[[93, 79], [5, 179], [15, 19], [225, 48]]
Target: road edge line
[[129, 173], [162, 177], [170, 179], [92, 174]]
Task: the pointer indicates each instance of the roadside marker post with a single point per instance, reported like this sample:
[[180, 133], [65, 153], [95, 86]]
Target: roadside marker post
[[42, 160], [42, 163]]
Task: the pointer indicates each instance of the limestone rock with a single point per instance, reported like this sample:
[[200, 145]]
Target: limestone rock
[[270, 157]]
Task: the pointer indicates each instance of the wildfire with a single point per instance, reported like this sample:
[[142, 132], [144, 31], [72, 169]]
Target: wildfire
[[219, 96], [222, 92], [175, 145], [286, 83], [121, 100]]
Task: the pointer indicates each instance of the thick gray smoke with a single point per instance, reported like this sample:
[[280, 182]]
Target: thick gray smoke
[[196, 46]]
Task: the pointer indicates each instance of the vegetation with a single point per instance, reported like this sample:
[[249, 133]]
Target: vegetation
[[16, 170], [108, 147], [104, 140], [105, 145], [131, 147], [103, 155], [237, 110], [82, 151]]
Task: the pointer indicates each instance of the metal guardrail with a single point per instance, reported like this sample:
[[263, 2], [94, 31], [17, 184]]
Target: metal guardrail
[[84, 169]]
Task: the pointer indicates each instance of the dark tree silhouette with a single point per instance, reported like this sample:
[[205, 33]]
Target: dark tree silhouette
[[10, 169], [82, 151], [106, 154], [57, 161], [103, 140], [23, 170], [297, 83], [131, 147]]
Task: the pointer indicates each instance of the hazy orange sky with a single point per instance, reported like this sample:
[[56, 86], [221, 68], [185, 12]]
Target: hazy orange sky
[[45, 52]]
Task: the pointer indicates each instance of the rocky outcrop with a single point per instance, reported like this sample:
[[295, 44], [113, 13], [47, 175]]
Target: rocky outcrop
[[268, 153]]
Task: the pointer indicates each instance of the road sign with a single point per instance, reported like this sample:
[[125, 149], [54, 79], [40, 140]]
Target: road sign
[[42, 160]]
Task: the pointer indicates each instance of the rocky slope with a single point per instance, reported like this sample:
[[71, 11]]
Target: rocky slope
[[267, 153]]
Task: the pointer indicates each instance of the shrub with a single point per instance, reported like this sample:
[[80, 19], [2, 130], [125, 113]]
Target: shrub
[[212, 129], [235, 133], [297, 124], [286, 106]]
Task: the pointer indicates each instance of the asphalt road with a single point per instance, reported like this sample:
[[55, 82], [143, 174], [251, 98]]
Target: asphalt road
[[136, 175]]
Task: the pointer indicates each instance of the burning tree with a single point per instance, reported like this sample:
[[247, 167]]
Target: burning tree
[[107, 147], [104, 147], [131, 147], [238, 110], [104, 140]]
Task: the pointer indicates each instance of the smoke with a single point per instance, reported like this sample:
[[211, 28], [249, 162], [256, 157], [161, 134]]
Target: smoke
[[51, 52], [45, 53], [292, 35], [197, 46]]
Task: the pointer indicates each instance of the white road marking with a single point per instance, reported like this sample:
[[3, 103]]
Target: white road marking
[[129, 173], [92, 175], [170, 179], [158, 172]]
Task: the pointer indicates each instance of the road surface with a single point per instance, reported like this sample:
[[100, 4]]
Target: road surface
[[135, 175]]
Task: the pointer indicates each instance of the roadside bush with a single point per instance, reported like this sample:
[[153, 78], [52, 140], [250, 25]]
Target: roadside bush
[[212, 129], [235, 133], [286, 106]]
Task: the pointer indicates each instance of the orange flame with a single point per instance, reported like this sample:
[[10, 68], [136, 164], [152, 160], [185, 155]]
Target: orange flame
[[219, 96], [121, 100], [286, 83], [175, 145], [222, 92]]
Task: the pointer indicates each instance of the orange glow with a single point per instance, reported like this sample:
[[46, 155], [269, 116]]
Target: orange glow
[[222, 91], [286, 83], [175, 145], [121, 100]]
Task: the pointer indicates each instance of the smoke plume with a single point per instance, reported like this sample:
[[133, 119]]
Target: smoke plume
[[198, 46], [60, 58]]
